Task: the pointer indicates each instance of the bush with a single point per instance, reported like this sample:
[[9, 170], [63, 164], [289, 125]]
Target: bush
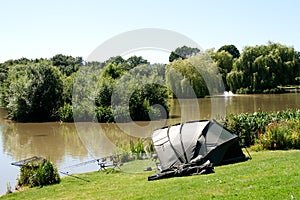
[[247, 126], [121, 114], [250, 126], [38, 174], [282, 135], [104, 114], [66, 113]]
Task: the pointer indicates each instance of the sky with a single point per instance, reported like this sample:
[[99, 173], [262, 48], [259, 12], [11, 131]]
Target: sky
[[40, 28]]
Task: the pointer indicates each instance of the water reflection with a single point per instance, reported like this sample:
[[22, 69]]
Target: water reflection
[[268, 103], [50, 140]]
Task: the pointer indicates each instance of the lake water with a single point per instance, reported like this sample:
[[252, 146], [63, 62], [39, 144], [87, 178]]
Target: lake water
[[67, 144]]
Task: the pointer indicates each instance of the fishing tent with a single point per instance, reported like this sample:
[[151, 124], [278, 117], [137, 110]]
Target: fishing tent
[[194, 148]]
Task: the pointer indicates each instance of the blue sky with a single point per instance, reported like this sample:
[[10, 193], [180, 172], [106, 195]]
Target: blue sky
[[36, 28]]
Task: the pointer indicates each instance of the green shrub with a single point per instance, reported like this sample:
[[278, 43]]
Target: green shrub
[[104, 114], [38, 174], [247, 126], [250, 126], [121, 114], [282, 135], [66, 113]]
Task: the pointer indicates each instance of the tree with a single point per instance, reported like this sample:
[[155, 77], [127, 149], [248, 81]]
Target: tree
[[264, 68], [193, 77], [116, 66], [234, 80], [137, 91], [224, 61], [111, 70], [34, 92], [183, 53], [230, 49], [133, 61], [104, 93], [67, 64], [4, 68], [116, 60]]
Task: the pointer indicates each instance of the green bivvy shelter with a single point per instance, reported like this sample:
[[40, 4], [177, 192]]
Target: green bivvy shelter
[[194, 148]]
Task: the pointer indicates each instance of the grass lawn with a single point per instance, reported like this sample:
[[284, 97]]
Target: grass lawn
[[269, 175]]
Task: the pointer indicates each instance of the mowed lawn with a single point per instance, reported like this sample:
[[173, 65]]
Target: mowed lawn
[[269, 175]]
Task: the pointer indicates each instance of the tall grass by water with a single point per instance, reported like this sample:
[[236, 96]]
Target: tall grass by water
[[278, 130]]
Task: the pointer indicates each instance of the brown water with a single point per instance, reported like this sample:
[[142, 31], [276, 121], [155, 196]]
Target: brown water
[[70, 143]]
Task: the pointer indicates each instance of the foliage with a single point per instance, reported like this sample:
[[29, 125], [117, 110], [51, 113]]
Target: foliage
[[253, 127], [26, 86], [133, 62], [104, 114], [104, 93], [196, 76], [112, 72], [4, 68], [66, 113], [280, 135], [38, 174], [139, 94], [124, 155], [34, 92], [84, 93], [40, 89], [141, 100], [116, 68], [235, 53], [263, 68], [66, 64], [224, 60], [183, 53], [68, 82], [138, 149]]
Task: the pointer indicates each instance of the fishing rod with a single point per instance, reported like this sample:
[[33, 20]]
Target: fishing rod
[[104, 162], [85, 163], [71, 175]]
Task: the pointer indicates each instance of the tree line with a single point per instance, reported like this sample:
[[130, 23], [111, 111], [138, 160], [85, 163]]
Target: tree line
[[43, 89], [258, 69], [124, 89]]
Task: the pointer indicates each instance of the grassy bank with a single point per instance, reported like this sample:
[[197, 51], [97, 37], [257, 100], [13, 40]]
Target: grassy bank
[[269, 175]]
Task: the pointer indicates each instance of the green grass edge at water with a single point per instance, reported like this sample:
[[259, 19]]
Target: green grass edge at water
[[269, 175]]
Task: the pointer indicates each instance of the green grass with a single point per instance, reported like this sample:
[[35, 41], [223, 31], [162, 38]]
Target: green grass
[[269, 175]]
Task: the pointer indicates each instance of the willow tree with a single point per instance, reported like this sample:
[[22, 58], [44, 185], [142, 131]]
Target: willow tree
[[197, 76], [263, 68], [224, 60]]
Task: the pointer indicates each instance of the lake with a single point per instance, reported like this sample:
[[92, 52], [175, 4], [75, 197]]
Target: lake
[[67, 144]]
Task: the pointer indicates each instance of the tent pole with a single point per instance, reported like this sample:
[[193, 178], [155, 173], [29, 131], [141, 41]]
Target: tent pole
[[248, 153]]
